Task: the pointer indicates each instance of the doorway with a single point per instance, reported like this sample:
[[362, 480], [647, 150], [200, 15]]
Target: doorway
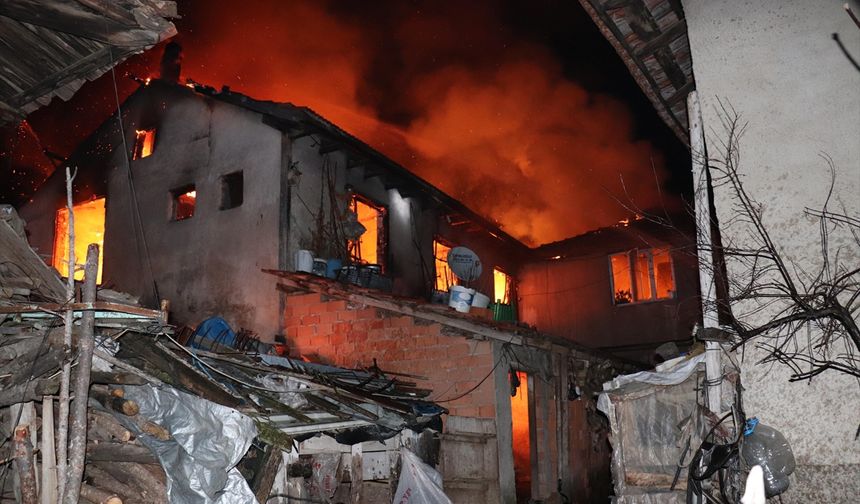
[[522, 425]]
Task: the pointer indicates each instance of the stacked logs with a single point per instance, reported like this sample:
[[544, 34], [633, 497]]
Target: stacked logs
[[118, 468]]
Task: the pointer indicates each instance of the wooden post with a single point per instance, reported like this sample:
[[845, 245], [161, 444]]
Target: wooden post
[[49, 462], [68, 320], [704, 249], [23, 459], [86, 345]]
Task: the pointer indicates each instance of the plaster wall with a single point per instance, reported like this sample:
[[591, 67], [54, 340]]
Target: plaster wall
[[572, 298], [778, 65], [208, 264]]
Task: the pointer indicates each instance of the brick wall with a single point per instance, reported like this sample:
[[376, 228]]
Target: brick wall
[[348, 335]]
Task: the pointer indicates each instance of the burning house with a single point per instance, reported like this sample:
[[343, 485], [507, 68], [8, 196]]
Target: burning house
[[209, 199]]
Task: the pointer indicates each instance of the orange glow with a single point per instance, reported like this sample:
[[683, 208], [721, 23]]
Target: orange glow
[[521, 438], [367, 249], [184, 204], [663, 277], [462, 115], [444, 277], [642, 275], [502, 286], [144, 143], [89, 228]]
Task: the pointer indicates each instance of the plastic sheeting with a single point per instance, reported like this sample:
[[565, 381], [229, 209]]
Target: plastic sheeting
[[768, 448], [419, 483], [208, 440], [650, 419]]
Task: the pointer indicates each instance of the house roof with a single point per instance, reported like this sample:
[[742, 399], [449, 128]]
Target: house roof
[[300, 121], [51, 47], [677, 230], [651, 38]]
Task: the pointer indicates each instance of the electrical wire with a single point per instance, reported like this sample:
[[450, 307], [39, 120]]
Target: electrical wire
[[138, 222], [502, 356]]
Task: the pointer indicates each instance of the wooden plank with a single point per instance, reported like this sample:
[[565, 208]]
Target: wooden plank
[[70, 17], [15, 250], [678, 29], [94, 306]]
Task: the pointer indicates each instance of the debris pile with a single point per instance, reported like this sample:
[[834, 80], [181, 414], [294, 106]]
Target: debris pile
[[167, 422]]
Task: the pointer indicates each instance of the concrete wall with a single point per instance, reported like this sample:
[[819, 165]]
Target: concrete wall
[[571, 297], [777, 64], [206, 265], [210, 263]]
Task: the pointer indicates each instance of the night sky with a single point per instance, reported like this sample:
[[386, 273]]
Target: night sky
[[520, 109]]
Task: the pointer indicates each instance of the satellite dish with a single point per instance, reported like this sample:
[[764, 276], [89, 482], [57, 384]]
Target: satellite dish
[[465, 264]]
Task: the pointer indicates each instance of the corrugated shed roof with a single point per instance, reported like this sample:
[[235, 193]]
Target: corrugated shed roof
[[51, 47]]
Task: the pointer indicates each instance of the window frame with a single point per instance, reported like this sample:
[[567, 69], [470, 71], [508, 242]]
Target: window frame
[[511, 285], [174, 201], [632, 255], [382, 234], [139, 142], [450, 245]]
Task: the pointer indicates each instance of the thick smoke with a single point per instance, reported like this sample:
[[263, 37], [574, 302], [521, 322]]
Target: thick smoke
[[452, 92]]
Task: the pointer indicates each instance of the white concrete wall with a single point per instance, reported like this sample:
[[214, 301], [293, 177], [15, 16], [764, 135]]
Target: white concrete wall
[[777, 64], [210, 263]]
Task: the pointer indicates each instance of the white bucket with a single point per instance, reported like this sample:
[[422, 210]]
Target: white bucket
[[480, 301], [304, 261], [460, 298]]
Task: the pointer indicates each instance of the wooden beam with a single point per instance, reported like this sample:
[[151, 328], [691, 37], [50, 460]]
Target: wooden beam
[[72, 18], [327, 146], [664, 38]]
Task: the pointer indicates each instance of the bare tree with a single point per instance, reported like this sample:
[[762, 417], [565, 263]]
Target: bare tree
[[811, 307]]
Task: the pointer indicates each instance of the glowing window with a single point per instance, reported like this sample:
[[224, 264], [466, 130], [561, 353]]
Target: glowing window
[[89, 228], [144, 143], [502, 286], [184, 201], [369, 248], [642, 275], [444, 276]]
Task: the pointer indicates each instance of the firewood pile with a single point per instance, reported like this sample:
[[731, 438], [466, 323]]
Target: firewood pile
[[116, 444]]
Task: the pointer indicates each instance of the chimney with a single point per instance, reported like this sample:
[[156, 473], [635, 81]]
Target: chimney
[[171, 62]]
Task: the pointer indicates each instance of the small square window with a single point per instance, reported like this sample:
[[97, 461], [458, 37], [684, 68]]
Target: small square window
[[144, 143], [184, 200], [232, 187]]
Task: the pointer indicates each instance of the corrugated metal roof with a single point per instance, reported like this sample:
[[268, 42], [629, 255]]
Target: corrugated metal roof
[[52, 47]]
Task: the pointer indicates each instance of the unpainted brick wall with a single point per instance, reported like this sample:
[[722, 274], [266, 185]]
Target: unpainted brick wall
[[335, 332]]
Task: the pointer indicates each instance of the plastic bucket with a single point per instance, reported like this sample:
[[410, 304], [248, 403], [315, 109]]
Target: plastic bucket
[[304, 261], [332, 267], [460, 298], [480, 301]]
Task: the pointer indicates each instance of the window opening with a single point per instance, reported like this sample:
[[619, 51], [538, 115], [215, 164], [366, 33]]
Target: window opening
[[502, 286], [89, 228], [184, 201], [144, 143], [521, 434], [232, 188], [445, 278], [642, 275], [369, 248]]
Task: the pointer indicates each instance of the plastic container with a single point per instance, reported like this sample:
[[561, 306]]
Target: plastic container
[[460, 298], [767, 447], [319, 267], [480, 300], [332, 267], [304, 261]]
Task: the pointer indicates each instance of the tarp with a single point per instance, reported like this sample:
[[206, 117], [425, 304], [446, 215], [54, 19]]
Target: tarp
[[207, 441]]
